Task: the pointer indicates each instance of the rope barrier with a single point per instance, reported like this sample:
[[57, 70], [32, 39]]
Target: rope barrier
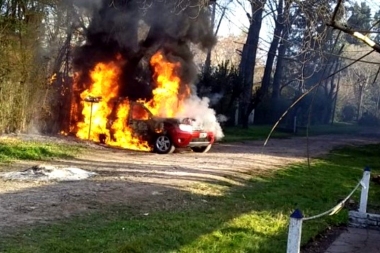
[[297, 218], [336, 208]]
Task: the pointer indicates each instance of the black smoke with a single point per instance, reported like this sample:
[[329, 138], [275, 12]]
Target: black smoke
[[137, 29]]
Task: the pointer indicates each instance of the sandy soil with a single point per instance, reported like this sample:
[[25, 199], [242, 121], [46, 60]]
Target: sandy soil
[[139, 179]]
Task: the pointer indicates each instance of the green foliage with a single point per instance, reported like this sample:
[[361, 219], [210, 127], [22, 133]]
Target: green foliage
[[270, 110], [360, 19], [348, 113], [376, 24], [369, 120], [249, 218], [22, 71], [223, 86]]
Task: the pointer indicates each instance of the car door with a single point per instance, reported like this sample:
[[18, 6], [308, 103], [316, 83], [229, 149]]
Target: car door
[[138, 119]]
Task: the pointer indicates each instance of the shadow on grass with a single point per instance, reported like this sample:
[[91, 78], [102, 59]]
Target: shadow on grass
[[248, 218]]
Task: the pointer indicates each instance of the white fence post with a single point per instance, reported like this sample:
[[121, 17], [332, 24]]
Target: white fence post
[[365, 189], [295, 231]]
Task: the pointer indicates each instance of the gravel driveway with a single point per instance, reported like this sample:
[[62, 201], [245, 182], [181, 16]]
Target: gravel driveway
[[139, 179]]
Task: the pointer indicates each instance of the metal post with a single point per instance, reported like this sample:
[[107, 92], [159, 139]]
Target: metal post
[[365, 188], [237, 111], [295, 231], [89, 128], [91, 100]]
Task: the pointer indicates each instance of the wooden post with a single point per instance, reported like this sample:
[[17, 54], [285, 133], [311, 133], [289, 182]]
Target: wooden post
[[295, 231], [89, 128], [365, 189], [237, 114]]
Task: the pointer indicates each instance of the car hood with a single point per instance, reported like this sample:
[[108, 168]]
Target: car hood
[[176, 121], [167, 120]]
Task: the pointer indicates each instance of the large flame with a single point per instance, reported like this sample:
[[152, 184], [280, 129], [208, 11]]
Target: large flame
[[104, 87], [166, 100], [99, 99]]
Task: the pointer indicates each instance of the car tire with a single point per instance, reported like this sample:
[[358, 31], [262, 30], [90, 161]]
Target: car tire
[[163, 145], [203, 149]]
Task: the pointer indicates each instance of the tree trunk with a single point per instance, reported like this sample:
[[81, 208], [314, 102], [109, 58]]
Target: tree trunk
[[279, 26], [335, 99], [360, 102], [208, 58], [279, 69], [248, 59]]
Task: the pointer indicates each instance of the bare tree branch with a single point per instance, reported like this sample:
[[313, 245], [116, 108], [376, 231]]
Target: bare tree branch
[[356, 34], [308, 92]]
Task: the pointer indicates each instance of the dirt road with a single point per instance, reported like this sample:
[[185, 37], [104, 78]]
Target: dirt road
[[142, 180]]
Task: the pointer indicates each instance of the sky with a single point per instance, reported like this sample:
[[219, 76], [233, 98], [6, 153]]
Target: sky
[[235, 19]]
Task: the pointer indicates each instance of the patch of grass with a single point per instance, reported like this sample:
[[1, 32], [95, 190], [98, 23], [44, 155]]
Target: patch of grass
[[11, 150], [249, 218], [260, 132], [336, 128]]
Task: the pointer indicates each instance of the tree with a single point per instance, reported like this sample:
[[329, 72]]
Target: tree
[[359, 85], [359, 20], [23, 68], [248, 60], [376, 26], [283, 37], [359, 35], [279, 20]]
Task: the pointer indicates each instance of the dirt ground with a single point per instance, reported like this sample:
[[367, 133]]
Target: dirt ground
[[139, 179]]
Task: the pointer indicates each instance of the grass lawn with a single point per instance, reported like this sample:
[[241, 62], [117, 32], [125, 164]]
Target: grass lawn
[[249, 218], [260, 132], [11, 150]]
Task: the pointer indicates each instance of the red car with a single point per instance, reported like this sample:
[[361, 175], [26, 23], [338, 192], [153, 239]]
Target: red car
[[166, 134]]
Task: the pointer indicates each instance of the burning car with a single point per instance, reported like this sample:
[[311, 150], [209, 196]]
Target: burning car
[[162, 135], [161, 120], [127, 53]]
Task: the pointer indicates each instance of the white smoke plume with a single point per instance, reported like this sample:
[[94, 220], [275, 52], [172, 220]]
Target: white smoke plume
[[198, 109]]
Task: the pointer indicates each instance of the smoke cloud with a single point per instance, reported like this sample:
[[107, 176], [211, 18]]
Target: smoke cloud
[[198, 109], [137, 29]]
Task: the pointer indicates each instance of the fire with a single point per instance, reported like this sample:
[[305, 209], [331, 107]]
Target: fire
[[97, 107], [96, 111], [122, 134], [166, 100], [52, 78], [98, 102]]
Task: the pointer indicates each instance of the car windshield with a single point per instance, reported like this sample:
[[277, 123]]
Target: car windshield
[[139, 112]]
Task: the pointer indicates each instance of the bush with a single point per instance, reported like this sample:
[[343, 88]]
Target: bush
[[223, 86], [368, 119], [270, 110], [348, 113]]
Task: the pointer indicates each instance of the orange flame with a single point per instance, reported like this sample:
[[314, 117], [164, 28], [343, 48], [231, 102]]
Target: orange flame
[[166, 101], [97, 102], [123, 134], [104, 77], [97, 107], [52, 79]]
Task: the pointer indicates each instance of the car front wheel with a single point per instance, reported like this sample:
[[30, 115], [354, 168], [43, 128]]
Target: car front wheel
[[204, 149], [163, 145]]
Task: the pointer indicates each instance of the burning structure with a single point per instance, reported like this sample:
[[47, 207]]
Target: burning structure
[[140, 50]]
